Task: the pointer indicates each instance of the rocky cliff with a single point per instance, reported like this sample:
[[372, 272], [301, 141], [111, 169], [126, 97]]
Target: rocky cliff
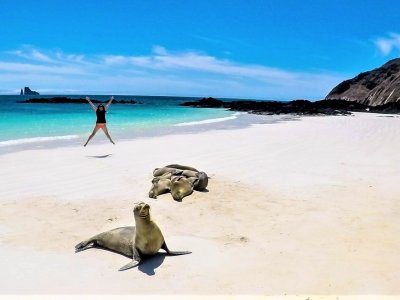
[[376, 87]]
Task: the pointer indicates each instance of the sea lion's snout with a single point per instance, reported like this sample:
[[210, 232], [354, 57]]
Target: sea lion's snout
[[141, 210], [152, 193]]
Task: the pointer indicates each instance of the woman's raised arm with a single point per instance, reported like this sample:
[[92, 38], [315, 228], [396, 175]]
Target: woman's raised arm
[[91, 104], [109, 102]]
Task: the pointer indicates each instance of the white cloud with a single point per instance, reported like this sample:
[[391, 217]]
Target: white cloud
[[387, 44], [33, 54], [160, 72], [39, 69], [51, 57], [193, 61]]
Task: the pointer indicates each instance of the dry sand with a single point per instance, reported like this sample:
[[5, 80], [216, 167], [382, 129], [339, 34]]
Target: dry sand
[[302, 207]]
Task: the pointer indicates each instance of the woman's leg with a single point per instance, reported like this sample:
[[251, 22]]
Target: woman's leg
[[92, 135], [107, 134]]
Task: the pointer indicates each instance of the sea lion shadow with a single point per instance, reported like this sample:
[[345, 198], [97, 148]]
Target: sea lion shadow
[[99, 156], [204, 191], [149, 264]]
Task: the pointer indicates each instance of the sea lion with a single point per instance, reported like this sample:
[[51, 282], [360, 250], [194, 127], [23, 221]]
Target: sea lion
[[167, 175], [161, 185], [161, 171], [181, 167], [135, 242], [202, 181], [189, 173], [180, 187]]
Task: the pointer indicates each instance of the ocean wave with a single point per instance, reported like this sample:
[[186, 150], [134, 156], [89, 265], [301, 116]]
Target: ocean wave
[[37, 139], [208, 121]]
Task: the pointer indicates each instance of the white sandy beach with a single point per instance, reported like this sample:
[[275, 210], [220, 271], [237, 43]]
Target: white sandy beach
[[309, 206]]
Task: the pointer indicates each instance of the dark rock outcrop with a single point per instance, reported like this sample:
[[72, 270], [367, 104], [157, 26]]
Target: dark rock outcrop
[[65, 100], [376, 87], [299, 107], [205, 102], [28, 91]]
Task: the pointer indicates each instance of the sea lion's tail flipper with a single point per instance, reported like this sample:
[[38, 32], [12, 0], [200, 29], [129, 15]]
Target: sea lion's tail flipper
[[133, 263], [169, 252]]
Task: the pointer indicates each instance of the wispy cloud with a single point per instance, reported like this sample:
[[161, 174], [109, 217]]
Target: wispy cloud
[[39, 69], [160, 72], [51, 57], [162, 60], [389, 43]]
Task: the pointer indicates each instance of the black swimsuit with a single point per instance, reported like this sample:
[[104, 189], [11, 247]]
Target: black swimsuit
[[101, 116]]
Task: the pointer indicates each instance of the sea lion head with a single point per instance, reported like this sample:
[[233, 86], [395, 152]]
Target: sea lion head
[[141, 211], [160, 185], [180, 187], [153, 191]]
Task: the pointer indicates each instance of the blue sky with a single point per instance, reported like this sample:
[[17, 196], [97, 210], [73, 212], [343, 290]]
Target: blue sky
[[270, 49]]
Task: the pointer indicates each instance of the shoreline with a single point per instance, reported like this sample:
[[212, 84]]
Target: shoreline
[[236, 120], [295, 208]]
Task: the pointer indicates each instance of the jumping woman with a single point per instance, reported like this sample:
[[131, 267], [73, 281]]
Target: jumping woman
[[101, 119]]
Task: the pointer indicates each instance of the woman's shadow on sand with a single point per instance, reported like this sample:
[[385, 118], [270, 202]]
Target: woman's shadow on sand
[[99, 156]]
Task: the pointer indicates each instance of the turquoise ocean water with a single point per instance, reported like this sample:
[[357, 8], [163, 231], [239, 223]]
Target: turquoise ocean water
[[34, 124]]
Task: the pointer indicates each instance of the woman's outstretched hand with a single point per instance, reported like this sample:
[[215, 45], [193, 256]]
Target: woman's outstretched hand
[[87, 98]]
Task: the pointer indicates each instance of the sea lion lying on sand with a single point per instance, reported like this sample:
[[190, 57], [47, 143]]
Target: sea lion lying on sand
[[161, 185], [185, 177], [189, 173], [181, 167], [161, 171], [180, 187], [135, 242], [201, 181]]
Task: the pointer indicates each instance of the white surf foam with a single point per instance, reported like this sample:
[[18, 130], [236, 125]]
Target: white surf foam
[[37, 139], [208, 121]]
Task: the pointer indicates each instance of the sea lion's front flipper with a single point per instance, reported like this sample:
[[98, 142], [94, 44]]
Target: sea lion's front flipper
[[169, 252], [133, 263]]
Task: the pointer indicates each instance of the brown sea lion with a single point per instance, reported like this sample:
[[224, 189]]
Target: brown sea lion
[[135, 242], [181, 167], [189, 173], [161, 185], [161, 171], [202, 182], [180, 187]]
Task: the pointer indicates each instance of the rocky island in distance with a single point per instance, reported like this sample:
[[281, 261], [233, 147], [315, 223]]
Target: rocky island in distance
[[27, 91]]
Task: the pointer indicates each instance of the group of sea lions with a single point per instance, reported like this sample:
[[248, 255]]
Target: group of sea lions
[[179, 180], [146, 238]]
